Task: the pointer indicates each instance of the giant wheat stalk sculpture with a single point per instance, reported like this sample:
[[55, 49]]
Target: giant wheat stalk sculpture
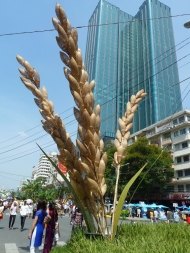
[[91, 162], [86, 170], [123, 136]]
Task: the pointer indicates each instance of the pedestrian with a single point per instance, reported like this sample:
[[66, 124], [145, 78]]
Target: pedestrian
[[133, 212], [50, 228], [156, 215], [151, 215], [138, 212], [130, 211], [56, 234], [34, 210], [23, 214], [70, 210], [170, 217], [1, 210], [30, 210], [176, 216], [36, 232], [13, 213], [65, 208], [78, 219]]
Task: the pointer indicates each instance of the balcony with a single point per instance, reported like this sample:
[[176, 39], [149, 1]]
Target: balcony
[[166, 141]]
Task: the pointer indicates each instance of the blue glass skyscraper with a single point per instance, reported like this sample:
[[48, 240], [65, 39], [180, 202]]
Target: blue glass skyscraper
[[129, 54]]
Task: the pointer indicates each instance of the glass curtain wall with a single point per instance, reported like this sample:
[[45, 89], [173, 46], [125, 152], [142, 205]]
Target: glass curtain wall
[[149, 58], [102, 61], [133, 54]]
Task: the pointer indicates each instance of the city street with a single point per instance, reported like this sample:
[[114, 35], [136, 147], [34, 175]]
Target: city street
[[15, 241]]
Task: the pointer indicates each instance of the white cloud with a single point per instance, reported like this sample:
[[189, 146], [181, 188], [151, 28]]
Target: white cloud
[[23, 134]]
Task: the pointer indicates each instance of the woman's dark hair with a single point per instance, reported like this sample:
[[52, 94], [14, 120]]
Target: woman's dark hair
[[52, 206], [1, 202], [41, 205]]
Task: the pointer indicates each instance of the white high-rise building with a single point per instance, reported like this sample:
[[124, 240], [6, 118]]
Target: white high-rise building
[[173, 133], [44, 166]]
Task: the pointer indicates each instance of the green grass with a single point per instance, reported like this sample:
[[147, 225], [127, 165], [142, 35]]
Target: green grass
[[137, 238]]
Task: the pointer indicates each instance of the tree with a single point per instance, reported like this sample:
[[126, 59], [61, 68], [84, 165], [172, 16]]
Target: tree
[[159, 169], [33, 189], [37, 190], [110, 172]]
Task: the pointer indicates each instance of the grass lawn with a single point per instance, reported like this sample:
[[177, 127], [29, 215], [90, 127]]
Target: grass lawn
[[137, 238]]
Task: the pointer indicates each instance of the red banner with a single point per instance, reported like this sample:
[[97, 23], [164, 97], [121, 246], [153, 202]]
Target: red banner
[[62, 168]]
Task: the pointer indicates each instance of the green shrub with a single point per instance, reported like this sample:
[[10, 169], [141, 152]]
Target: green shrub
[[125, 213], [136, 238]]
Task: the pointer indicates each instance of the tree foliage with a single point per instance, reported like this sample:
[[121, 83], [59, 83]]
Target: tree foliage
[[137, 154], [159, 166], [37, 190]]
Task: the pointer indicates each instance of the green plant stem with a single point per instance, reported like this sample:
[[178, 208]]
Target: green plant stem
[[115, 195]]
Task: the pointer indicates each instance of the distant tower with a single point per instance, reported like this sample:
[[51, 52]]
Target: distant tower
[[44, 166], [124, 57]]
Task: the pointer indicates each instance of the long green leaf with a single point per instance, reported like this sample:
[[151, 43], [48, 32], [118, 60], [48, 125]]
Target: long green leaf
[[122, 199], [85, 212]]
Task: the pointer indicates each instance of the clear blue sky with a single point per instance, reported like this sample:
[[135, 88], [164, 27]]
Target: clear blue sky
[[18, 112]]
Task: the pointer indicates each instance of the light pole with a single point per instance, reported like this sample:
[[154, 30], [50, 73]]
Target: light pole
[[187, 24]]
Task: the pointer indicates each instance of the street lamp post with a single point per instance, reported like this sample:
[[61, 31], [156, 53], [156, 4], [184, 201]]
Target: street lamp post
[[187, 24]]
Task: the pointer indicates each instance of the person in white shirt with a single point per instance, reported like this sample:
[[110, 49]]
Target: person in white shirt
[[30, 210], [138, 212], [13, 212], [23, 214], [156, 215]]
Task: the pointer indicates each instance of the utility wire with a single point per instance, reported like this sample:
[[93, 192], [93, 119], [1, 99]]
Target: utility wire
[[76, 133], [86, 26], [29, 154], [76, 121], [99, 99], [31, 141], [35, 134], [32, 128], [10, 178], [106, 87]]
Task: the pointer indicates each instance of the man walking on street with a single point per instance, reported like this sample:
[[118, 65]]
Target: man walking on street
[[23, 214]]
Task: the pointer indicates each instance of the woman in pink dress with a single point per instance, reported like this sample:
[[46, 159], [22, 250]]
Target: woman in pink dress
[[50, 228]]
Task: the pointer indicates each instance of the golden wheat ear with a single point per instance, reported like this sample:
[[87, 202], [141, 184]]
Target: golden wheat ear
[[90, 145], [125, 125]]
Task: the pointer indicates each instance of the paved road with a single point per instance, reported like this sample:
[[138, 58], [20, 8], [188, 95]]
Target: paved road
[[15, 241]]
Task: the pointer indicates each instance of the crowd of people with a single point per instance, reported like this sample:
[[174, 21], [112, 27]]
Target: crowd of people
[[45, 224], [158, 214]]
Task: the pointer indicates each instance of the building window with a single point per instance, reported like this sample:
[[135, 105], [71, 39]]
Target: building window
[[177, 147], [181, 119], [187, 187], [188, 117], [170, 188], [167, 136], [176, 134], [186, 158], [183, 131], [175, 122], [184, 144], [187, 172], [178, 159], [180, 188], [180, 173]]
